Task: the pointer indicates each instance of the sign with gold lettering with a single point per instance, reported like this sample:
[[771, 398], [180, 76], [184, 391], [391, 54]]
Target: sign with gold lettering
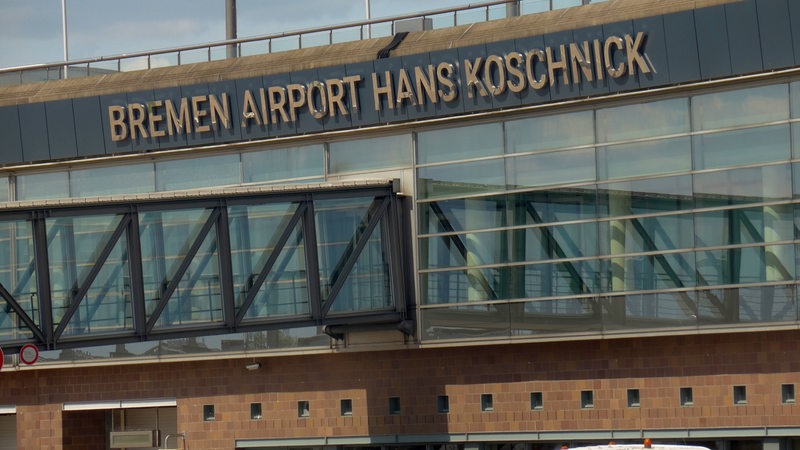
[[492, 75]]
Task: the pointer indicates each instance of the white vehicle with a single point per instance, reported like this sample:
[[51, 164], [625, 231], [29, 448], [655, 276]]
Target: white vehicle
[[647, 444]]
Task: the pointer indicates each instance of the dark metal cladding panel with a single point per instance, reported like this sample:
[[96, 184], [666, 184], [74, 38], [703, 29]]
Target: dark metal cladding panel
[[493, 77], [256, 127], [423, 106], [530, 95], [177, 138], [306, 123], [627, 81], [11, 150], [744, 41], [277, 125], [776, 33], [365, 114], [557, 77], [195, 137], [712, 42], [595, 86], [121, 146], [456, 105], [473, 97], [88, 126], [225, 93], [339, 120], [33, 130], [144, 139], [794, 23], [682, 56], [655, 51], [61, 129], [390, 111]]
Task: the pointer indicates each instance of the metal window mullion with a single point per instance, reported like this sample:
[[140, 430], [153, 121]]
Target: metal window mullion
[[225, 268], [42, 269], [77, 297], [172, 285], [136, 275], [345, 265], [312, 260], [395, 242], [268, 265]]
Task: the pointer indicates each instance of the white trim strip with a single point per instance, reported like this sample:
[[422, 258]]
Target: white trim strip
[[8, 409], [119, 404]]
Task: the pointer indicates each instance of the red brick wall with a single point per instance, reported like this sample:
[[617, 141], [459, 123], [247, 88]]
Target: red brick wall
[[657, 366]]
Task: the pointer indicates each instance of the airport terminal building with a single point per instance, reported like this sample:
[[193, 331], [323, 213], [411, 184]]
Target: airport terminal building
[[567, 227]]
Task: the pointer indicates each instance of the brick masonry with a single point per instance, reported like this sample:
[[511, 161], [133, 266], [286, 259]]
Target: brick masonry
[[658, 366]]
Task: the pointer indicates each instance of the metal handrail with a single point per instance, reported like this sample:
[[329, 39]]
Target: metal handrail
[[61, 68]]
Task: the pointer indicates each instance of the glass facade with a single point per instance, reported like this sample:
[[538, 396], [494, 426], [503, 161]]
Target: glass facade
[[666, 214]]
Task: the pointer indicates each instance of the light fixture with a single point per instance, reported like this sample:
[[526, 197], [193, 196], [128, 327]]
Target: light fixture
[[253, 366]]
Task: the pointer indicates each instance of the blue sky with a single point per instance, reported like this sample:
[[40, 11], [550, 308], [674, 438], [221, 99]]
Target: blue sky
[[31, 32]]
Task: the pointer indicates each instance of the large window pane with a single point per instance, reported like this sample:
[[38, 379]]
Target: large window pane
[[127, 179], [460, 143], [466, 321], [550, 132], [461, 179], [647, 234], [740, 147], [740, 107], [42, 186], [542, 169], [643, 120], [757, 184], [195, 173], [388, 152], [556, 316], [647, 196], [18, 277], [555, 205], [747, 305], [467, 214], [649, 272], [4, 192], [283, 164], [255, 231], [644, 158], [771, 223], [652, 310]]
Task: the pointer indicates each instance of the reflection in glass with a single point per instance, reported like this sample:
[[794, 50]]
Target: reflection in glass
[[128, 179], [652, 310], [556, 316], [18, 277], [465, 321], [749, 185], [341, 224], [745, 265], [452, 144], [254, 232], [283, 164], [541, 169], [74, 249], [461, 179], [41, 186], [554, 205], [740, 147], [643, 120], [195, 173], [386, 152], [648, 272], [550, 132], [463, 214], [644, 158], [747, 305], [4, 190], [653, 195], [166, 237], [740, 107]]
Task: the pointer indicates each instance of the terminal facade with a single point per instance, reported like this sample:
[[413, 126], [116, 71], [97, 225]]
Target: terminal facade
[[568, 227]]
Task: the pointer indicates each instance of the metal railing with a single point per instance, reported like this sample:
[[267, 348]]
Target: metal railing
[[290, 40]]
